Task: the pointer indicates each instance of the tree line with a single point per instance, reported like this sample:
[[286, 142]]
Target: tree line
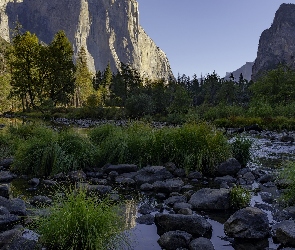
[[41, 75]]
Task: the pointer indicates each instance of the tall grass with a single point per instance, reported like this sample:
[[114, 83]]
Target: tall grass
[[192, 146], [287, 174], [43, 151], [84, 222]]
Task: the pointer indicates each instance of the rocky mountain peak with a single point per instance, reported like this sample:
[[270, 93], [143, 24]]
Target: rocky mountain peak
[[109, 30], [277, 44]]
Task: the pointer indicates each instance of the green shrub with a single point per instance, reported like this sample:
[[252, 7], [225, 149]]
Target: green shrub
[[241, 149], [78, 149], [6, 145], [239, 197], [45, 152], [79, 222], [287, 176]]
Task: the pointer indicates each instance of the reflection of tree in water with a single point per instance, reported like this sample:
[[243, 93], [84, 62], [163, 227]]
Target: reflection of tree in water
[[130, 213]]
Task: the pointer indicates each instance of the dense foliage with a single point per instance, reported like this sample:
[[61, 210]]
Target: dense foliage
[[78, 221]]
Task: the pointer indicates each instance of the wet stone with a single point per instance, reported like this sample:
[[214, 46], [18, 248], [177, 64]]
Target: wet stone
[[175, 199], [34, 182], [201, 244], [146, 209], [4, 190], [6, 176], [146, 219], [174, 240]]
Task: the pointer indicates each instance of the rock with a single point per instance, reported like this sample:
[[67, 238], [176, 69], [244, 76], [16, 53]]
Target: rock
[[34, 182], [247, 223], [291, 211], [6, 176], [260, 244], [211, 199], [192, 224], [146, 219], [100, 189], [120, 169], [6, 163], [121, 180], [278, 36], [170, 166], [116, 36], [146, 187], [152, 174], [20, 243], [287, 138], [229, 167], [181, 205], [175, 199], [40, 200], [4, 190], [201, 244], [168, 186], [7, 236], [7, 221], [96, 174], [3, 210], [174, 240], [76, 176], [146, 209], [179, 172], [195, 175], [49, 183], [284, 232], [114, 197], [248, 178], [266, 178], [113, 175], [97, 181], [229, 180], [15, 206], [185, 211]]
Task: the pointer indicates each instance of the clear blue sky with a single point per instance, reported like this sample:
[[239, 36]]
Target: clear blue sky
[[200, 36]]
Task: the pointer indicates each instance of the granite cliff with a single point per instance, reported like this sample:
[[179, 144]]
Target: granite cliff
[[108, 29], [277, 44]]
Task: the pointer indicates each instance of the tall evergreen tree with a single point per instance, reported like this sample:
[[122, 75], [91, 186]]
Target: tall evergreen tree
[[61, 78]]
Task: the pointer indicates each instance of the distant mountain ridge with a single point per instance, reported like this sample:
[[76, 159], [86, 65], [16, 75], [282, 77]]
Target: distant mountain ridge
[[109, 30], [246, 70], [277, 44]]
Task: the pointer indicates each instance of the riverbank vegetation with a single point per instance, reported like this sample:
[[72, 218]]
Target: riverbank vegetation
[[43, 151]]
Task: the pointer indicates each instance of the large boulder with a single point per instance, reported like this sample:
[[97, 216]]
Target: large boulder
[[211, 199], [195, 225], [229, 167], [284, 232], [174, 240], [152, 174], [247, 223], [201, 244]]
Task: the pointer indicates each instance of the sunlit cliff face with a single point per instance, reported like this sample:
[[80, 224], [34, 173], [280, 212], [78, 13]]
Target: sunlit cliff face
[[109, 30]]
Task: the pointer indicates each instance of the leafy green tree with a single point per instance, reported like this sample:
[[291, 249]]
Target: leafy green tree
[[61, 70], [83, 79], [276, 86], [23, 59]]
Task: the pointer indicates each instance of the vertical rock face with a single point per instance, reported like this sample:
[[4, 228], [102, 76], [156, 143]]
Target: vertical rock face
[[277, 44], [108, 29]]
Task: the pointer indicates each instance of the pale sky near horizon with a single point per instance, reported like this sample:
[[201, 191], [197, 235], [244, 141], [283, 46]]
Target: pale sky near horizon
[[200, 36]]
